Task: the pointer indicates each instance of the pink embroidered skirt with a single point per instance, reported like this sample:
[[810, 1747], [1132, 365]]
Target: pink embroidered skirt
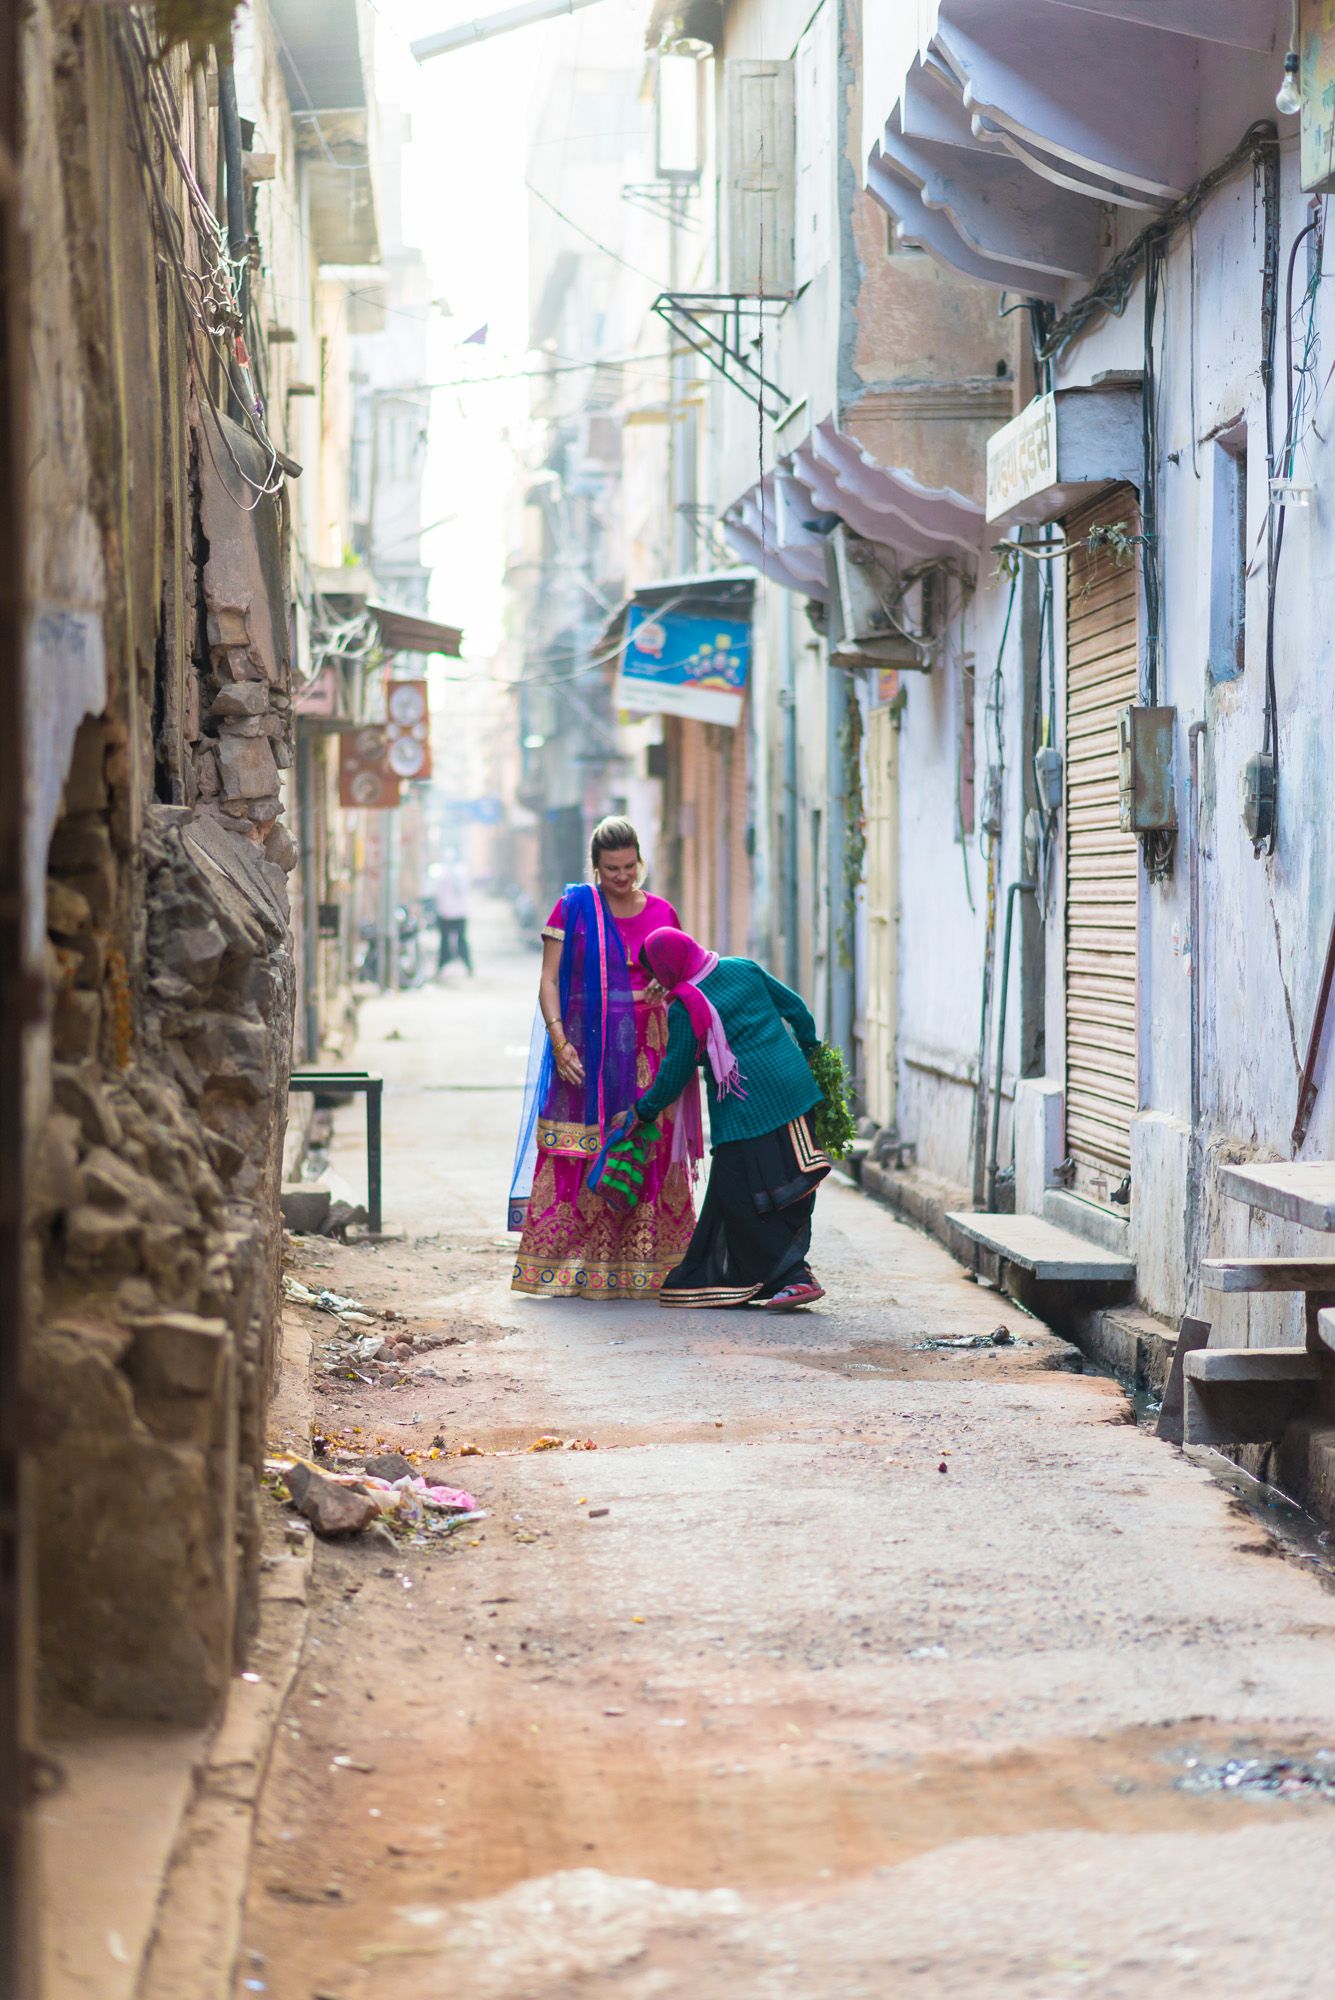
[[574, 1245]]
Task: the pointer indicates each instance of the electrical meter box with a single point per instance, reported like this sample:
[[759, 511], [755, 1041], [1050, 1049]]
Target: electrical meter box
[[1145, 770]]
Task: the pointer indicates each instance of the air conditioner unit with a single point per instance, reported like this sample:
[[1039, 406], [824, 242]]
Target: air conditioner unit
[[863, 580]]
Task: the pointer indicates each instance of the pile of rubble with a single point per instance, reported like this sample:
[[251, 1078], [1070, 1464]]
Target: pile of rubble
[[372, 1347], [351, 1493]]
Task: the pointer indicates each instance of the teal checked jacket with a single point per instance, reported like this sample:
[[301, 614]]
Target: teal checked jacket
[[757, 1013]]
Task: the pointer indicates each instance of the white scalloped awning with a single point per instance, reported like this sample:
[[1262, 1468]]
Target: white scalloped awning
[[831, 473], [994, 132]]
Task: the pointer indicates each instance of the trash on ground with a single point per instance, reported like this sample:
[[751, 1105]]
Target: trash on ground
[[389, 1465], [336, 1302], [1266, 1777], [330, 1507], [471, 1451], [346, 1502], [1000, 1336], [547, 1444], [299, 1294]]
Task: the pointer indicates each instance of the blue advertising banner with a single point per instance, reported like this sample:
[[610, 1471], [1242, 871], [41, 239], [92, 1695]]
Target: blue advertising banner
[[679, 663]]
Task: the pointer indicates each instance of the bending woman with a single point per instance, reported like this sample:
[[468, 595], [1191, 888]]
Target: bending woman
[[754, 1232], [598, 1041]]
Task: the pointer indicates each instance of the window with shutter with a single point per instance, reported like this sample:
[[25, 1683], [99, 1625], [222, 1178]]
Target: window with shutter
[[814, 121], [760, 127]]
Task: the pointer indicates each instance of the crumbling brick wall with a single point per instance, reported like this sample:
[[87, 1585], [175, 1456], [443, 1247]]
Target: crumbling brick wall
[[158, 1090]]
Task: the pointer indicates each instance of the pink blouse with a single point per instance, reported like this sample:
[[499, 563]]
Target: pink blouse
[[657, 914]]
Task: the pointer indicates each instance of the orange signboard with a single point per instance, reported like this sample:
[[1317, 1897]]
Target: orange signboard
[[365, 778]]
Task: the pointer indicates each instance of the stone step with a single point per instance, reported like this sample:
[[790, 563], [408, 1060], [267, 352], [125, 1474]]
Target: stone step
[[1087, 1219], [1245, 1395], [1053, 1256], [1269, 1274], [1251, 1364]]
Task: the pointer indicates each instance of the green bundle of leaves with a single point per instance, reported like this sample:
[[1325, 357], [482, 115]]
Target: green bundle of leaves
[[831, 1122]]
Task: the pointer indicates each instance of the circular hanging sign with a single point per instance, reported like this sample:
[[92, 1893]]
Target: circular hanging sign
[[407, 756], [407, 704]]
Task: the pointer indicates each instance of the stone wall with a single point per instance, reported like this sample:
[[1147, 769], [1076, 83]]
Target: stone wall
[[158, 1087]]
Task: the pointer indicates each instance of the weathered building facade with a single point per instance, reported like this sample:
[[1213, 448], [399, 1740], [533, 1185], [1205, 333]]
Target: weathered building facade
[[1171, 271], [166, 209]]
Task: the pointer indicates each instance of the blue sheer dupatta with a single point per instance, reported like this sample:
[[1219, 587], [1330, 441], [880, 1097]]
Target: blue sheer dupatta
[[598, 1013]]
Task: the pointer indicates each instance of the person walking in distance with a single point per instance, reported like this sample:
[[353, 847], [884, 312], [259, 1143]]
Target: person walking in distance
[[754, 1233], [598, 1040], [451, 890]]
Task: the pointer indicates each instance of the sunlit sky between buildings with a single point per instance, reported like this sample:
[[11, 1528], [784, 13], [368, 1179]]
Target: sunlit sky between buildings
[[465, 206]]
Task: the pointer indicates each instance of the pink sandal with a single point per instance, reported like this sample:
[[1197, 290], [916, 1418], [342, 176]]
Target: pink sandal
[[793, 1296]]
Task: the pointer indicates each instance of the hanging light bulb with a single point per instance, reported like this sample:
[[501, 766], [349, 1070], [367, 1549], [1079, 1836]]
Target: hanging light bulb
[[1289, 99]]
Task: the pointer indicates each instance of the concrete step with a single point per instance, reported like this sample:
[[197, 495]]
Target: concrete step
[[1269, 1274], [1245, 1395], [1051, 1255], [1087, 1220], [1251, 1364]]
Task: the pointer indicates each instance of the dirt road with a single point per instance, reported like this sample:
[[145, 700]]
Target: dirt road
[[843, 1666]]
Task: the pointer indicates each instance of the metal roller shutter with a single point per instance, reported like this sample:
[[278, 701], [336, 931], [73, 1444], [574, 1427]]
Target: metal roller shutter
[[1102, 676]]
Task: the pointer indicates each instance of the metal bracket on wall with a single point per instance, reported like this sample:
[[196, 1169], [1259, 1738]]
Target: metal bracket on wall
[[725, 347]]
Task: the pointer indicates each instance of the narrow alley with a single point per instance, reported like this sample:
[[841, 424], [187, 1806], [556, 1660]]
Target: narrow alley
[[847, 1663], [666, 654]]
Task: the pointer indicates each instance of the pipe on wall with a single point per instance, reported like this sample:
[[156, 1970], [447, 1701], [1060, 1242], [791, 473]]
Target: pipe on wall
[[486, 25], [788, 859], [1015, 889], [1194, 734]]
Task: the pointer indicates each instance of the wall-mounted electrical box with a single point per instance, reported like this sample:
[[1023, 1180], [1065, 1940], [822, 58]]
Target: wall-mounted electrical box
[[1048, 778], [1145, 770], [1256, 800], [863, 582]]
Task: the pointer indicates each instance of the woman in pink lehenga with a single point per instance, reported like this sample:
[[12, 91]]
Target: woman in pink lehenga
[[597, 1045]]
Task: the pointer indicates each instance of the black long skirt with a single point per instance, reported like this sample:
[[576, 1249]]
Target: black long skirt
[[754, 1230]]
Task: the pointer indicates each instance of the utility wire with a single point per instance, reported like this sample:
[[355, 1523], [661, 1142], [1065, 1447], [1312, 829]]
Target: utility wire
[[616, 257]]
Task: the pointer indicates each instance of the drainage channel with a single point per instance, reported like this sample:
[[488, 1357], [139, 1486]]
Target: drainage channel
[[1299, 1534], [1301, 1537]]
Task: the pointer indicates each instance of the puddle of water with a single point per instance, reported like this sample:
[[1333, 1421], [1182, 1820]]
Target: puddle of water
[[1265, 1777]]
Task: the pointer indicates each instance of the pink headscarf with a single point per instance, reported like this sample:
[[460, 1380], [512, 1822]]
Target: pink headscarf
[[678, 963]]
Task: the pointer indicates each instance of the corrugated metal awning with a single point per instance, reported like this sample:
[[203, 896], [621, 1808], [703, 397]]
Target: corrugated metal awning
[[401, 632]]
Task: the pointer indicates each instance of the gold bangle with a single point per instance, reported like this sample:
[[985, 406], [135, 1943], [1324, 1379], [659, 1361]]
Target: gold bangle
[[554, 1027]]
